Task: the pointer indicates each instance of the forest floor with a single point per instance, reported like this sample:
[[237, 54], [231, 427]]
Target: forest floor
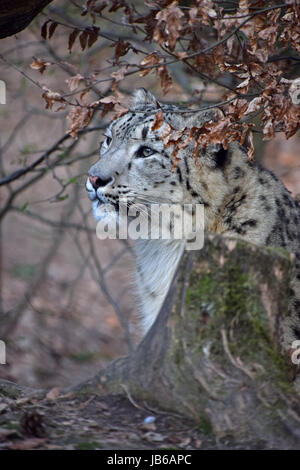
[[72, 421]]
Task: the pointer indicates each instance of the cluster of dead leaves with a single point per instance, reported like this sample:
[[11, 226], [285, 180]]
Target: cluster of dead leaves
[[209, 39], [95, 8], [223, 130], [80, 114], [87, 36], [79, 118], [154, 62], [168, 25], [274, 104], [122, 48]]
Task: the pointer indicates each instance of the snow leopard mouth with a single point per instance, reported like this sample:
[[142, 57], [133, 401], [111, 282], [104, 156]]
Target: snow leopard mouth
[[102, 201]]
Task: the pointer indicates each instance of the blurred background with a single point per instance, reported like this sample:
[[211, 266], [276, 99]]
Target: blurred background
[[67, 299]]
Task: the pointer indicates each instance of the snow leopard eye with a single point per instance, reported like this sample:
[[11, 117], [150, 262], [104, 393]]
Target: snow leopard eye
[[108, 140], [144, 152]]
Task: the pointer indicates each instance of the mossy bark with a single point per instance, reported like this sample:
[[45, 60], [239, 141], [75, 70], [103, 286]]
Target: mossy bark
[[214, 352]]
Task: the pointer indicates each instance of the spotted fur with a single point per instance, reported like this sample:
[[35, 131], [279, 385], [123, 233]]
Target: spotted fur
[[241, 199]]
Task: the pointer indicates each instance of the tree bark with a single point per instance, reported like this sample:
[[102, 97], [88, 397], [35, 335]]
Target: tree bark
[[213, 354], [17, 14]]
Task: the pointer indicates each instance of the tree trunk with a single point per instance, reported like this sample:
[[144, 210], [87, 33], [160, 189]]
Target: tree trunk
[[213, 354], [17, 14]]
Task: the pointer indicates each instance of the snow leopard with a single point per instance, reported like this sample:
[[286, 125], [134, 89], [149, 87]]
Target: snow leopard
[[241, 199]]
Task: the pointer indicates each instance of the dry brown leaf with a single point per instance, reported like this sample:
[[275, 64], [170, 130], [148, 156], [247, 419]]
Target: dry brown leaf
[[39, 64], [51, 97], [165, 79], [159, 120], [121, 49], [243, 87], [151, 59], [168, 25], [250, 147], [79, 116], [74, 81], [83, 38], [120, 111], [109, 103], [119, 74], [72, 39], [254, 105], [52, 28], [108, 99], [93, 35]]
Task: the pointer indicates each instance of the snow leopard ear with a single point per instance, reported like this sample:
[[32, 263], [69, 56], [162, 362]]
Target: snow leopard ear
[[179, 120], [143, 97]]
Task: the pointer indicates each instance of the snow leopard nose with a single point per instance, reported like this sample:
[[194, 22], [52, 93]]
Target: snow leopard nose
[[98, 182]]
